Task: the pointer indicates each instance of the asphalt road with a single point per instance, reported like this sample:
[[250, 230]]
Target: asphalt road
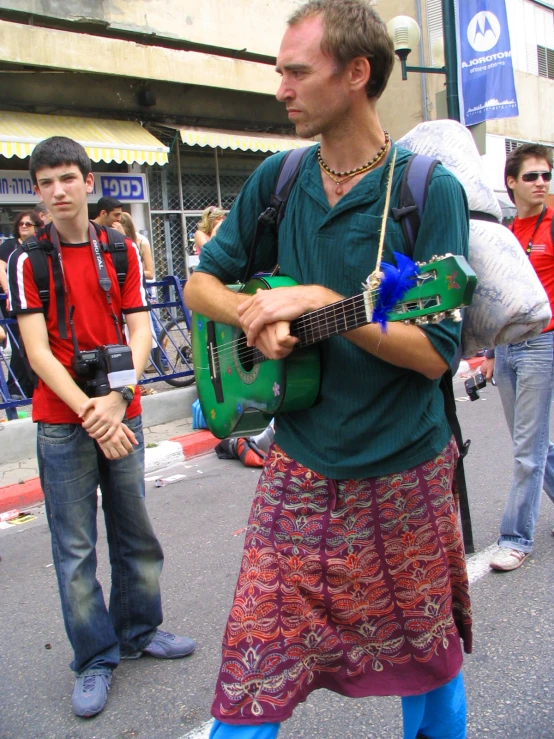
[[200, 520]]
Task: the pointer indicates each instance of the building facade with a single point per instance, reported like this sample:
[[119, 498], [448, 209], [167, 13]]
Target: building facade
[[199, 78]]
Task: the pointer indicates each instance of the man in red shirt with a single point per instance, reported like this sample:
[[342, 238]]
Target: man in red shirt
[[524, 372], [89, 436]]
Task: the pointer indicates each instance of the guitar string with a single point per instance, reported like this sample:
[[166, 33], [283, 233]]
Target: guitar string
[[243, 351], [303, 321]]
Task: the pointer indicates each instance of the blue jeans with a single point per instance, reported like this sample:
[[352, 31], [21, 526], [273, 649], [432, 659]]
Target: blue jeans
[[71, 467], [524, 374], [438, 714]]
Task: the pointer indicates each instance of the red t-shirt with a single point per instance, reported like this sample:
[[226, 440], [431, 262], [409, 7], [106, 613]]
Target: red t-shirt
[[542, 251], [94, 325]]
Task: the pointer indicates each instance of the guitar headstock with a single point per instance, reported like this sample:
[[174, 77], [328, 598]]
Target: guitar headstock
[[443, 286]]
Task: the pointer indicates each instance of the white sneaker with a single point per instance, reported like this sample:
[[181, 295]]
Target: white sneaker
[[508, 559]]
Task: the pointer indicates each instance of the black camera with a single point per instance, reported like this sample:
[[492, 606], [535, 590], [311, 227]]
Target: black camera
[[475, 383], [105, 368]]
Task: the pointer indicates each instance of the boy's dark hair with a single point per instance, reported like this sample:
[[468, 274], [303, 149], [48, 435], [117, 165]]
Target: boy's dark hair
[[517, 157], [108, 204], [352, 29], [57, 151]]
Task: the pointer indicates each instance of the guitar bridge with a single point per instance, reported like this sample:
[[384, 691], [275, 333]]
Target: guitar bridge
[[213, 361]]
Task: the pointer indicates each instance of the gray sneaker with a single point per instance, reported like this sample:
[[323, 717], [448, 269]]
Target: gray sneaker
[[165, 646], [507, 559], [90, 694]]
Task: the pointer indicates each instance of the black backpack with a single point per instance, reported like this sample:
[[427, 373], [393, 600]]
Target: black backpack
[[409, 212], [40, 251]]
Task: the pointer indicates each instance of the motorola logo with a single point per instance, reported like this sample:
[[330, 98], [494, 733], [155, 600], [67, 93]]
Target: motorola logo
[[483, 31]]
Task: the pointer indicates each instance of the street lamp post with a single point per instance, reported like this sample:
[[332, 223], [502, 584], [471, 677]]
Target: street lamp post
[[405, 34]]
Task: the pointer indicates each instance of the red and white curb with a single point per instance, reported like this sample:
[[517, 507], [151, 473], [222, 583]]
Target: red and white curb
[[164, 454]]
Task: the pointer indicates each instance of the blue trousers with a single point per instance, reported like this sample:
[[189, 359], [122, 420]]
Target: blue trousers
[[525, 377], [439, 714], [71, 467]]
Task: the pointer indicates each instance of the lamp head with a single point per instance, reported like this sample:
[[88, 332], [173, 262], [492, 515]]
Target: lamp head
[[405, 34]]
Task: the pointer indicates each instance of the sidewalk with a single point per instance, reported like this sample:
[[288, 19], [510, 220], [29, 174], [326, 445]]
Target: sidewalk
[[165, 444]]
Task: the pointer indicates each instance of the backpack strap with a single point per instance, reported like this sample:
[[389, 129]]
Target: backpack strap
[[413, 196], [116, 247], [274, 214], [39, 251], [414, 188]]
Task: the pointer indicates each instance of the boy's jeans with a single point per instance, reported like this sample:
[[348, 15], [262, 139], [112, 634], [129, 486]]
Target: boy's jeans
[[71, 468], [524, 374]]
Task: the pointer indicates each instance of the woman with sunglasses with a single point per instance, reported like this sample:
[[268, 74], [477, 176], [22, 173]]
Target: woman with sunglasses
[[524, 372], [19, 381]]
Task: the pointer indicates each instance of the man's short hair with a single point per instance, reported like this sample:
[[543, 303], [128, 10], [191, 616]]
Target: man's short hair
[[518, 156], [108, 204], [352, 29], [57, 151], [41, 208]]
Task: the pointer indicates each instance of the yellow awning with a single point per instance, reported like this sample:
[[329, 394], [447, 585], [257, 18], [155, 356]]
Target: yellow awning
[[106, 141], [194, 136]]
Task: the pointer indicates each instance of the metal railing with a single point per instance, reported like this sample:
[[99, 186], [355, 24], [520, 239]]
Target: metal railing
[[170, 358]]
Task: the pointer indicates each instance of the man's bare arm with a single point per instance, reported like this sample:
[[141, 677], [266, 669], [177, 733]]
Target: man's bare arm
[[207, 295], [403, 346], [35, 337]]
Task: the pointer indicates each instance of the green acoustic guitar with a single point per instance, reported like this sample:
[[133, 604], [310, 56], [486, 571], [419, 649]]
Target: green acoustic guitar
[[240, 390]]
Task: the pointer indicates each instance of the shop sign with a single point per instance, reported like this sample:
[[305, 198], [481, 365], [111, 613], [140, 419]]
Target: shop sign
[[16, 187]]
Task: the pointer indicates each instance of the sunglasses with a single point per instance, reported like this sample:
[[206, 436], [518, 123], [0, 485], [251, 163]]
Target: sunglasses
[[533, 176], [27, 224]]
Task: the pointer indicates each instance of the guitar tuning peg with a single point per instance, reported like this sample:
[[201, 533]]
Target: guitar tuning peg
[[455, 315], [438, 317]]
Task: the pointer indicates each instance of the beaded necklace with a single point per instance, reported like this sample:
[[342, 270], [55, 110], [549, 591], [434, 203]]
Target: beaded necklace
[[339, 178]]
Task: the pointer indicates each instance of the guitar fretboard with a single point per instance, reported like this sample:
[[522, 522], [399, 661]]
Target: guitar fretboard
[[333, 320]]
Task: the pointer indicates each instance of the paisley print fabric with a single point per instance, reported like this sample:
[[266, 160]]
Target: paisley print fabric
[[358, 586]]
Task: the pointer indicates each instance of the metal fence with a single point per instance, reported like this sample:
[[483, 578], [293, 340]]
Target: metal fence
[[170, 358]]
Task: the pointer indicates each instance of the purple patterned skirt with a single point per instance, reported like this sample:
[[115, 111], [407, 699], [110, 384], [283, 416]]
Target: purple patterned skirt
[[358, 586]]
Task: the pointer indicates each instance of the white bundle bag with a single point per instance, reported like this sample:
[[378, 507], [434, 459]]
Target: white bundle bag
[[509, 304]]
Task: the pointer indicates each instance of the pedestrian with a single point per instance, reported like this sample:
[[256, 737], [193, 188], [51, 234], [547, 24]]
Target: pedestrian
[[109, 211], [142, 243], [524, 372], [212, 218], [43, 214], [20, 381], [89, 428], [353, 574]]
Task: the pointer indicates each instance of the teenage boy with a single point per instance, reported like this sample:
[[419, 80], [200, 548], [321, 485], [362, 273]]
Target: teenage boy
[[85, 442], [109, 211], [524, 372]]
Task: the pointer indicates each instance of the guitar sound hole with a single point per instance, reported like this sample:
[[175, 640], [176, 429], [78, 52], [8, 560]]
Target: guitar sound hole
[[247, 359]]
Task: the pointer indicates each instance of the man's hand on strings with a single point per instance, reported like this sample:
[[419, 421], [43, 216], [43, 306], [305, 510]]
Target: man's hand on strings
[[281, 305]]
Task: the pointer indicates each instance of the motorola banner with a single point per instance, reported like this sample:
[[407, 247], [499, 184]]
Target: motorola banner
[[485, 72]]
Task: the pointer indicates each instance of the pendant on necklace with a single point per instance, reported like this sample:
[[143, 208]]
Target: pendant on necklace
[[338, 190]]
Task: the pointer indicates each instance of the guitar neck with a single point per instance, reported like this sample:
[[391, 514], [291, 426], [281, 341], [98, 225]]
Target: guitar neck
[[332, 320]]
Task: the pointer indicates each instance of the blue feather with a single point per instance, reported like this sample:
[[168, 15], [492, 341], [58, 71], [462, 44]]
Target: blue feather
[[395, 284]]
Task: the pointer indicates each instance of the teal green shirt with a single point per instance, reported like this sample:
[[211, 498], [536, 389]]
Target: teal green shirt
[[372, 418]]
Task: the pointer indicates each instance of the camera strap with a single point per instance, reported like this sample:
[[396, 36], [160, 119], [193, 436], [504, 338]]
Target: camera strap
[[103, 277]]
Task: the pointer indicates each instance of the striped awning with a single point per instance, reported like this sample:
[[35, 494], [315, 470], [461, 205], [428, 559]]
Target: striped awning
[[105, 141], [194, 136]]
